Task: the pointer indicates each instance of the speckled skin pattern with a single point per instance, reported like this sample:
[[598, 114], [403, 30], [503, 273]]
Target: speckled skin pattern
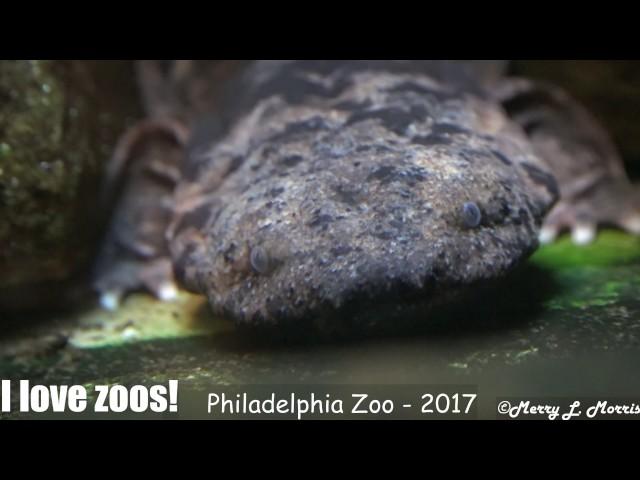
[[325, 193]]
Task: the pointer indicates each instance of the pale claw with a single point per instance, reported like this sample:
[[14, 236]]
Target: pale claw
[[583, 234], [110, 300], [167, 292], [547, 235]]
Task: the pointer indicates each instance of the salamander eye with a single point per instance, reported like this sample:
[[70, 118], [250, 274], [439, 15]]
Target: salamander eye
[[259, 260], [471, 215]]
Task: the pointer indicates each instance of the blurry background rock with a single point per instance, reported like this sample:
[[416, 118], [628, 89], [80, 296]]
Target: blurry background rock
[[610, 89], [59, 121]]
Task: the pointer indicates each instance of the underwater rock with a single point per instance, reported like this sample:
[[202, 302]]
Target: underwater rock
[[58, 123]]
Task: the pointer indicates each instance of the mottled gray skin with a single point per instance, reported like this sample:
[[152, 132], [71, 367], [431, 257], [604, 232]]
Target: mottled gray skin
[[329, 193]]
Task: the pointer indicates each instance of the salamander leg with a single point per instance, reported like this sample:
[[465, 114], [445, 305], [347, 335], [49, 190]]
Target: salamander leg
[[142, 175], [594, 189]]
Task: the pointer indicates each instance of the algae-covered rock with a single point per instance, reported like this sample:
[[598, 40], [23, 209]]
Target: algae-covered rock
[[58, 123]]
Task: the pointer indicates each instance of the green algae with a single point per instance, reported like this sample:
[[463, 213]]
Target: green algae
[[611, 248], [141, 318], [596, 275]]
